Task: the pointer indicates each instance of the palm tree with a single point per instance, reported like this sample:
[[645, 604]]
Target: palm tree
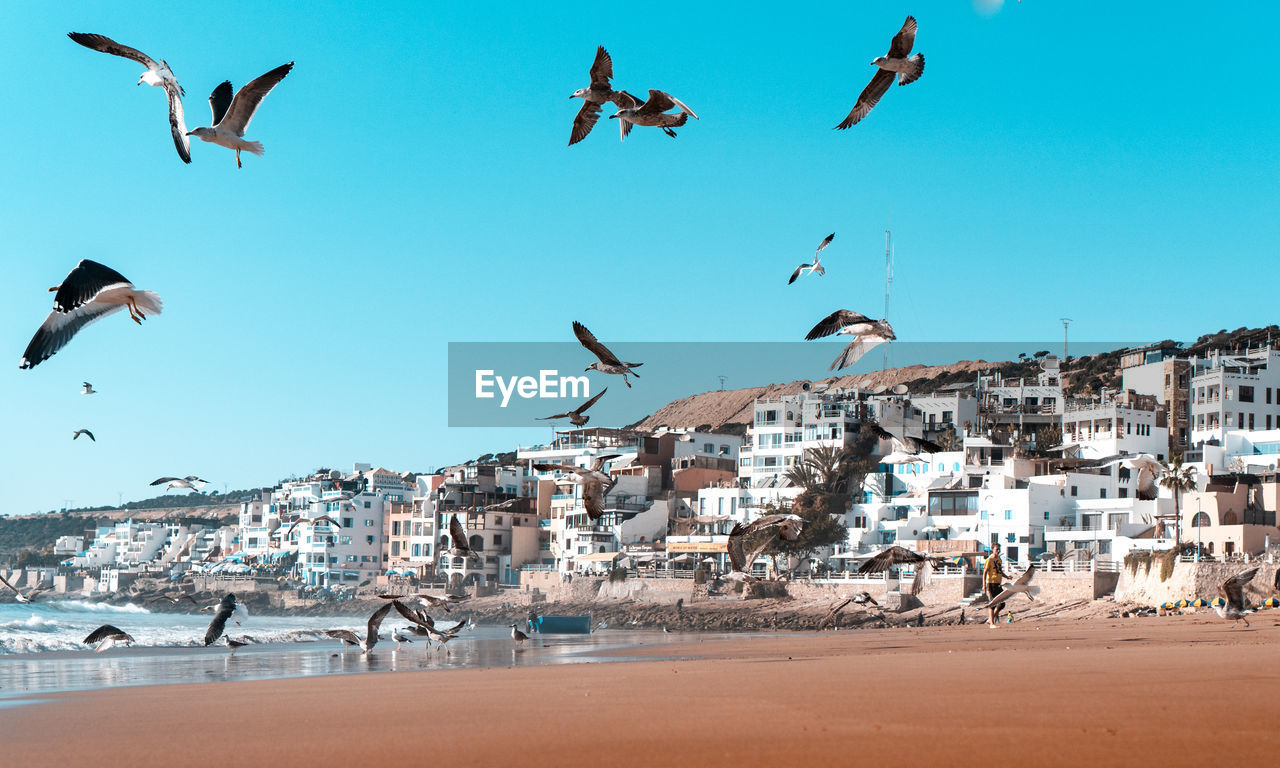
[[1178, 477]]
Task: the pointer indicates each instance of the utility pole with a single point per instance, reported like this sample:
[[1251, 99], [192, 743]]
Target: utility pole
[[1065, 322], [888, 282], [722, 378]]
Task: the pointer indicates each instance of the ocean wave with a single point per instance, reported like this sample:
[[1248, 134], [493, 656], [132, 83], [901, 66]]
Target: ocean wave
[[33, 623], [88, 606]]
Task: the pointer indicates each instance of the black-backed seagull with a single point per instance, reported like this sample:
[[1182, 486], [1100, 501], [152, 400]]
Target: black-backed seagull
[[594, 96], [908, 70], [88, 389], [158, 74], [576, 417], [1232, 593], [866, 333], [225, 608], [89, 293], [652, 113], [896, 555], [84, 432], [607, 361], [816, 266], [595, 481], [232, 114], [106, 636]]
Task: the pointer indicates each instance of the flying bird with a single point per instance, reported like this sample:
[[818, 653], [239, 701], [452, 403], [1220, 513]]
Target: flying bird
[[594, 96], [190, 482], [425, 623], [1021, 584], [896, 555], [908, 70], [1232, 593], [107, 636], [222, 613], [632, 111], [84, 432], [89, 293], [88, 389], [174, 600], [314, 522], [576, 416], [905, 447], [1146, 465], [739, 560], [458, 539], [788, 525], [18, 594], [866, 333], [157, 74], [607, 361], [862, 598], [595, 481], [816, 266], [232, 114], [371, 635]]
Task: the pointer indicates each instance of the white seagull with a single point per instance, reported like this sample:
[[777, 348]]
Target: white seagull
[[231, 115], [908, 70], [107, 636], [866, 333], [653, 112], [89, 293], [17, 593], [577, 417], [1232, 592], [157, 74], [1021, 584], [1147, 467], [595, 481], [607, 361], [190, 482], [371, 635], [816, 266], [88, 389]]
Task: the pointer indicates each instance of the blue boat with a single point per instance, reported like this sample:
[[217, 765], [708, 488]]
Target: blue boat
[[563, 625]]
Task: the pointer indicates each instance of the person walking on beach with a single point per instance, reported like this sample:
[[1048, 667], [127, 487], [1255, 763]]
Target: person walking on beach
[[993, 576]]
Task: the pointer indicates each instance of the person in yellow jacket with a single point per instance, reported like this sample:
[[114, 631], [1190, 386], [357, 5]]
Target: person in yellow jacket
[[993, 577]]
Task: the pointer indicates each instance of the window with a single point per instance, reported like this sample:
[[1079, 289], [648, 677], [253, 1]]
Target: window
[[344, 540], [368, 523], [368, 505], [1102, 493], [347, 522], [497, 539], [1008, 515], [1074, 490], [1245, 394], [1124, 493], [368, 539], [708, 448]]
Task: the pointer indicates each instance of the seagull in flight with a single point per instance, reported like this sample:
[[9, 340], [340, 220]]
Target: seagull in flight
[[595, 481], [1232, 592], [1146, 465], [896, 62], [905, 448], [632, 111], [607, 361], [866, 333], [225, 608], [89, 293], [739, 559], [816, 266], [896, 555], [232, 114], [371, 634], [17, 593], [576, 416], [157, 74], [594, 96], [862, 598], [107, 636], [88, 389], [1021, 584], [190, 482], [458, 539], [314, 522], [84, 432], [174, 599]]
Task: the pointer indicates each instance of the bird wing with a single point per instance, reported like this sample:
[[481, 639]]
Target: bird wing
[[894, 555], [1025, 578], [601, 71], [1232, 590], [162, 480], [903, 41], [103, 632], [416, 617], [593, 496], [326, 517], [683, 107], [833, 322], [737, 558], [597, 465], [245, 103], [375, 621], [83, 284], [107, 45], [593, 345], [5, 582], [219, 100], [345, 635], [796, 274], [869, 97], [830, 618], [556, 416], [554, 467], [852, 353], [580, 409], [657, 103], [923, 577], [584, 121], [225, 608], [825, 242], [59, 328], [769, 521], [177, 121], [457, 533], [624, 100]]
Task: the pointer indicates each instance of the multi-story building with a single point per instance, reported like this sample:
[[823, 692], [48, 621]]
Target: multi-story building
[[1230, 392], [1127, 423], [1029, 405], [1158, 371]]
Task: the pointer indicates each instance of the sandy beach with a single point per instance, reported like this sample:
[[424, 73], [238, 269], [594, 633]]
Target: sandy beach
[[1173, 690]]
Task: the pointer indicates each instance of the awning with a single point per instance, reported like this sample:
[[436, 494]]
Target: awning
[[852, 556], [599, 557], [686, 557]]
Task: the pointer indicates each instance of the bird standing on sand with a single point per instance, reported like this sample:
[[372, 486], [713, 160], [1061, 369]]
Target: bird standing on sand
[[866, 333], [232, 114], [652, 113], [234, 645], [371, 635], [518, 636], [1232, 593], [157, 74], [90, 292], [576, 416], [84, 432], [908, 70], [88, 389], [607, 361], [816, 266], [595, 481], [107, 636], [594, 96]]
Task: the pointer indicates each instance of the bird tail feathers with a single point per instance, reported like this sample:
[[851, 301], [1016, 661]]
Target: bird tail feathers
[[912, 74], [148, 301], [256, 146]]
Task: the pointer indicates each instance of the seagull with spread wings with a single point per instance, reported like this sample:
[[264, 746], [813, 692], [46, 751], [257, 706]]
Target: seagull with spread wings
[[1146, 465], [88, 389], [89, 293], [1021, 584], [740, 560], [594, 480], [1232, 593], [174, 599], [190, 482], [458, 541], [157, 74], [862, 598], [18, 594], [107, 636], [896, 62], [222, 613], [816, 266], [232, 114], [314, 521], [86, 433], [371, 633], [607, 361], [577, 416], [594, 96], [896, 555], [866, 333], [632, 111]]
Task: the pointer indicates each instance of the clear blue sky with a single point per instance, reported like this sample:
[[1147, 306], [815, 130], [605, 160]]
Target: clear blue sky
[[1114, 163]]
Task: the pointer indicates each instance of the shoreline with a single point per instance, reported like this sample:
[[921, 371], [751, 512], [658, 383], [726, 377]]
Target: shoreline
[[1109, 692]]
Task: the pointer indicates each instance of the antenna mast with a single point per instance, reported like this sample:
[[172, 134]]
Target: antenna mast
[[1065, 322]]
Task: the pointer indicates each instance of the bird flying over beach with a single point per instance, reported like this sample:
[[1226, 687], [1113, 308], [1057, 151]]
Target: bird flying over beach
[[866, 333], [896, 555], [896, 62], [607, 361], [458, 539], [862, 598], [910, 447], [576, 416], [1232, 593], [90, 292], [652, 113], [816, 266], [595, 481], [18, 594], [174, 599], [314, 522], [222, 613], [594, 96], [84, 432], [157, 74], [371, 633], [1021, 584], [107, 636], [232, 114], [1146, 465], [740, 560], [88, 389]]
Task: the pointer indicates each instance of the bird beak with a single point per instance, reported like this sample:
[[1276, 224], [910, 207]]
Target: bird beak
[[612, 116], [190, 132]]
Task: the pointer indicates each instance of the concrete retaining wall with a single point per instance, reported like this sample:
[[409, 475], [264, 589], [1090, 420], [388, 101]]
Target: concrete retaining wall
[[1190, 581]]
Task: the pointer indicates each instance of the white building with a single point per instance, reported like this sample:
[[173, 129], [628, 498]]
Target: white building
[[1128, 424], [1234, 392]]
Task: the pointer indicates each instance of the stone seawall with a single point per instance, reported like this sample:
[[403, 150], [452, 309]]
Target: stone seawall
[[1190, 581]]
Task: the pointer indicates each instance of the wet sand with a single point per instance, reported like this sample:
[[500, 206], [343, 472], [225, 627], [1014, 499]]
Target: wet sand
[[1177, 690]]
